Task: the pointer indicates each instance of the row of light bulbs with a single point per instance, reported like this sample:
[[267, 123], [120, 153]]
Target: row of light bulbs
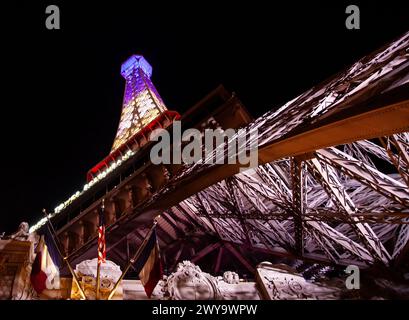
[[87, 186]]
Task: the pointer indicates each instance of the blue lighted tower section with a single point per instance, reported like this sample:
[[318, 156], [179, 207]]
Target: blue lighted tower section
[[142, 103]]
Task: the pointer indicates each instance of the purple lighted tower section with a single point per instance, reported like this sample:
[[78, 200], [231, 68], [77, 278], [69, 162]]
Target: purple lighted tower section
[[143, 111], [142, 103]]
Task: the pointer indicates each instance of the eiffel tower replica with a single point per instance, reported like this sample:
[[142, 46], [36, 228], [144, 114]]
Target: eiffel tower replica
[[331, 188], [126, 181]]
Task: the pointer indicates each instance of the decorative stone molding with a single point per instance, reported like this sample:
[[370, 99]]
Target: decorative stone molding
[[16, 259], [108, 270], [15, 267], [87, 276], [281, 282]]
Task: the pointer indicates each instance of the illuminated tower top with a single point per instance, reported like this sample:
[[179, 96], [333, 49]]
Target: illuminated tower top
[[143, 110], [142, 103]]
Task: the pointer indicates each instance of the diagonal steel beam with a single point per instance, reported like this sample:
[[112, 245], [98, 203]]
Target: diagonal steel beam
[[366, 174], [205, 251], [342, 240], [330, 181]]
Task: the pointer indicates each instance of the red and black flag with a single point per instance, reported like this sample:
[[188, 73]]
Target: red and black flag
[[101, 236]]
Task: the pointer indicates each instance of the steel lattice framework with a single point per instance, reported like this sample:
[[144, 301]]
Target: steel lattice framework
[[337, 206], [332, 185], [344, 205]]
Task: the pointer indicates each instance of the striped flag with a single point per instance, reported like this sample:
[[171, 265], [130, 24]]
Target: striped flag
[[45, 270], [149, 265], [101, 236]]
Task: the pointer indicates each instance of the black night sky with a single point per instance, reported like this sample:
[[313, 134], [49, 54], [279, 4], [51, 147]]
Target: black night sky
[[62, 89]]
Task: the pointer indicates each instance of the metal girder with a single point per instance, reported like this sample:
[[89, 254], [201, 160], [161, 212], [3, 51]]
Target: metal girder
[[315, 209], [298, 203], [256, 198], [328, 178], [240, 257], [127, 237], [258, 191], [402, 243], [177, 256], [333, 235], [236, 201], [400, 158], [328, 215], [205, 251], [366, 174], [273, 232]]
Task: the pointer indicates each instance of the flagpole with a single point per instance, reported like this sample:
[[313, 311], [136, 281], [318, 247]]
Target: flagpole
[[98, 279], [134, 258], [98, 262], [65, 258]]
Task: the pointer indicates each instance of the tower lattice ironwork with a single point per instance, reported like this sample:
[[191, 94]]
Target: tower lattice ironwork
[[332, 185]]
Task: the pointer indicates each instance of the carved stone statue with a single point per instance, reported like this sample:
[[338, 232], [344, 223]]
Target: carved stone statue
[[22, 233], [189, 282]]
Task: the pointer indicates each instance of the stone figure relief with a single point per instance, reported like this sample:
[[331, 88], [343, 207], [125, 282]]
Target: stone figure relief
[[189, 282]]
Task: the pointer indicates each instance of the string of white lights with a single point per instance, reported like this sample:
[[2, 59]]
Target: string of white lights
[[87, 186]]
